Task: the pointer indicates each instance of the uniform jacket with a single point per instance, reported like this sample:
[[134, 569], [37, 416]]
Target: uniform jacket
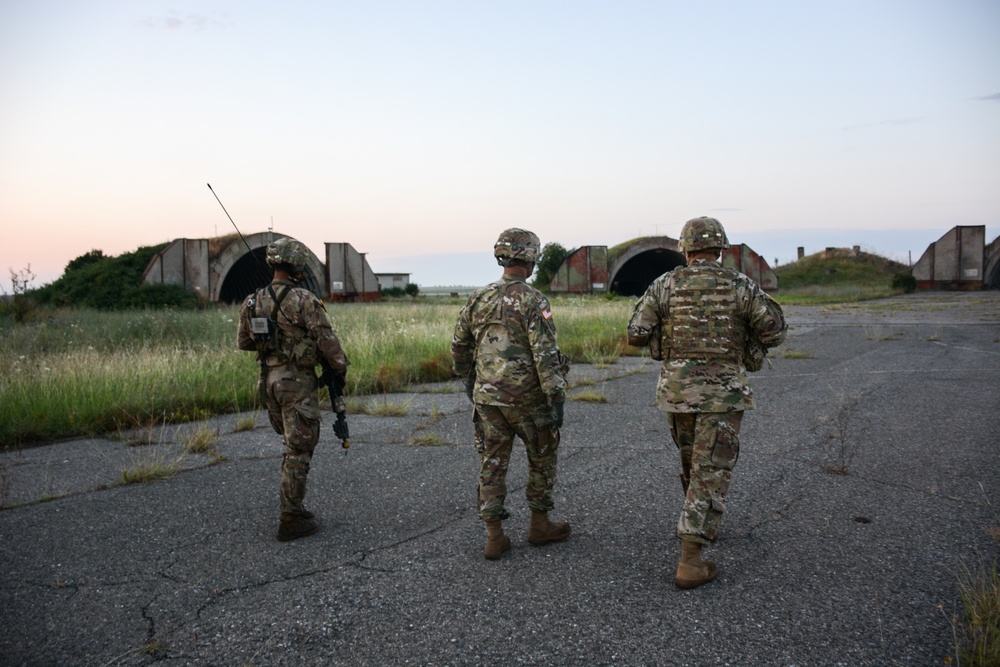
[[506, 336], [307, 334]]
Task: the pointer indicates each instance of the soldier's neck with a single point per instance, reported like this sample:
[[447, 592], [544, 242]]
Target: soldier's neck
[[515, 273]]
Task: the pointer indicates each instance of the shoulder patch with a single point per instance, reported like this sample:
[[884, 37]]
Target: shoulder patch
[[547, 312]]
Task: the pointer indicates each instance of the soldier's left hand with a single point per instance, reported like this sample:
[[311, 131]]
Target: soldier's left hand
[[557, 413]]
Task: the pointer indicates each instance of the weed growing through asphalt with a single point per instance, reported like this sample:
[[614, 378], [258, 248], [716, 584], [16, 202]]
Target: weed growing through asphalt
[[977, 633], [602, 353], [433, 418], [588, 396], [245, 421], [791, 353], [383, 407], [842, 430], [880, 333], [150, 467], [429, 440], [202, 440]]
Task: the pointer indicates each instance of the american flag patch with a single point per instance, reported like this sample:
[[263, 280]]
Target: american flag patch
[[547, 313]]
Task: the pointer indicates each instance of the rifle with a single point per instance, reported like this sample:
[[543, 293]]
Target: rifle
[[335, 383]]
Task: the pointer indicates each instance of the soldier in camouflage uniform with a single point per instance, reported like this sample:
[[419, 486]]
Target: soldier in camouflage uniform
[[290, 330], [504, 348], [709, 325]]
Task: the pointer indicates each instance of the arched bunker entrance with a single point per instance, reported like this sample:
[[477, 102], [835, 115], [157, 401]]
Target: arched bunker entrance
[[637, 273], [633, 266], [630, 268], [250, 272], [245, 270]]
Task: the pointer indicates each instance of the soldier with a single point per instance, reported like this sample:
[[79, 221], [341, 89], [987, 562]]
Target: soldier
[[709, 325], [291, 331], [504, 348]]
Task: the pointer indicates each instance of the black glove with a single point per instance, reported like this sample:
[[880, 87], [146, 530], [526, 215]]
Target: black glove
[[470, 384], [557, 413], [340, 427]]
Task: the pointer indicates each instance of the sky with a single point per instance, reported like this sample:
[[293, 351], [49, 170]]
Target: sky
[[418, 131]]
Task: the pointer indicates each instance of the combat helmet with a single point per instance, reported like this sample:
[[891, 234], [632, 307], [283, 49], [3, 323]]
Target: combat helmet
[[516, 245], [288, 252], [701, 234]]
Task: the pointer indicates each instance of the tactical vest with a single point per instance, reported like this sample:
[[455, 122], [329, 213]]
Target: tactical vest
[[702, 322], [269, 338]]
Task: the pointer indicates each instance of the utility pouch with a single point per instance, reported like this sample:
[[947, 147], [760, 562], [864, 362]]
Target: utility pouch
[[262, 326]]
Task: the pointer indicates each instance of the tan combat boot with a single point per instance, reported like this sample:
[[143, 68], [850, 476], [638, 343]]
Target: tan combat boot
[[293, 526], [692, 571], [496, 541], [542, 531]]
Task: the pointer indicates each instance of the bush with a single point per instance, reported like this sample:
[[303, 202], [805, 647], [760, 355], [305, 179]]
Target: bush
[[905, 282], [94, 280], [552, 257], [411, 289], [20, 306]]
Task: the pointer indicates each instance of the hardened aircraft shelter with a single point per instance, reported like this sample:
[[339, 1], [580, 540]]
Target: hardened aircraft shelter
[[960, 260], [629, 268], [225, 269]]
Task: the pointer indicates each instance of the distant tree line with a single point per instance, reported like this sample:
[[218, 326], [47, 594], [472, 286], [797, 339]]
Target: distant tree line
[[411, 289]]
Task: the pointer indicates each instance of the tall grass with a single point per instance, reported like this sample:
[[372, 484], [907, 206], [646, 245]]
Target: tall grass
[[79, 372]]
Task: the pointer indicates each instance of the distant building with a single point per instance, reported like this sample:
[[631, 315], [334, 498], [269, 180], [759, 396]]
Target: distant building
[[960, 260], [390, 280]]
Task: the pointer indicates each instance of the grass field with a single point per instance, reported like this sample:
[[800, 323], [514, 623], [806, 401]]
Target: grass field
[[76, 372], [79, 372]]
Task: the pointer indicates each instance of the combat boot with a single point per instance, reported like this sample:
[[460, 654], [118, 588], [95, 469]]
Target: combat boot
[[542, 531], [496, 541], [692, 571], [294, 526]]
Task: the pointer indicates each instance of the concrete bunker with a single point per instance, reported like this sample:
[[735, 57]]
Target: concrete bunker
[[224, 269], [960, 260], [631, 267]]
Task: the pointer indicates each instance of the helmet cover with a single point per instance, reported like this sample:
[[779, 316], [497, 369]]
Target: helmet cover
[[517, 244], [701, 234], [289, 252]]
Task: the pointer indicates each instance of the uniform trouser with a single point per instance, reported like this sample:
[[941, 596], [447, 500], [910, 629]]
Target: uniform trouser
[[495, 428], [293, 408], [709, 446]]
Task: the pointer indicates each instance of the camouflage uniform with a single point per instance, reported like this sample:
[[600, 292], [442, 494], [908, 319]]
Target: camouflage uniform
[[288, 380], [701, 320], [506, 338]]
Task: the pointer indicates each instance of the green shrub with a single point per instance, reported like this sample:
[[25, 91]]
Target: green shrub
[[94, 280], [552, 257], [905, 282]]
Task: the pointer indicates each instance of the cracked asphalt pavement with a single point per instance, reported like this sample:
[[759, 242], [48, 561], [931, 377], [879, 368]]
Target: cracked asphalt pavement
[[867, 482]]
